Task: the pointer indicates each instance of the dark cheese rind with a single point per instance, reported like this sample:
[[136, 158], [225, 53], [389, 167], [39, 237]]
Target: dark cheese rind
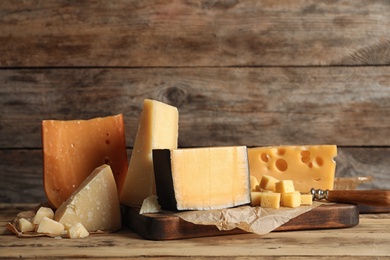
[[163, 177]]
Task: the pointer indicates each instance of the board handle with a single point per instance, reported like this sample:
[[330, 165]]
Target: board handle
[[365, 197]]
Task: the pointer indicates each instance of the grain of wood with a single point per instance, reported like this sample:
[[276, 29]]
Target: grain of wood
[[194, 33], [369, 239], [217, 106]]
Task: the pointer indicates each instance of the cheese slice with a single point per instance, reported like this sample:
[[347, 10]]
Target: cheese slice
[[94, 203], [158, 129], [73, 149], [202, 178], [307, 166]]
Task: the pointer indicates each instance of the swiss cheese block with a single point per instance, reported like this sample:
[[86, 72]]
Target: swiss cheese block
[[307, 166], [158, 129], [255, 198], [94, 203], [202, 178], [73, 149]]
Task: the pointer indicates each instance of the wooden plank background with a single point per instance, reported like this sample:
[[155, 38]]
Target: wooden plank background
[[249, 73]]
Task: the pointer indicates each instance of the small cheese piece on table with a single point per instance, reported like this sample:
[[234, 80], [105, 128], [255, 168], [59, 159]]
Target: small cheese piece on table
[[255, 198], [284, 186], [24, 225], [95, 203], [291, 200], [41, 213], [76, 231], [158, 129], [50, 227], [268, 183], [307, 166], [270, 200], [73, 149], [306, 199], [202, 178]]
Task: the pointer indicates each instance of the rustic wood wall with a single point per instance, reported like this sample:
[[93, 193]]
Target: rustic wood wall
[[241, 73]]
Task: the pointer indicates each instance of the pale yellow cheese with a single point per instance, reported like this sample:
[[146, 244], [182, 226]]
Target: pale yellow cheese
[[255, 198], [306, 199], [94, 203], [41, 213], [24, 225], [208, 178], [270, 200], [158, 129], [291, 200], [308, 166], [150, 205], [254, 183], [76, 231], [50, 227], [284, 186], [268, 183]]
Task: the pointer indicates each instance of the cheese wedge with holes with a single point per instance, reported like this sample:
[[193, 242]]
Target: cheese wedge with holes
[[307, 166], [158, 129], [202, 178], [94, 204], [73, 149]]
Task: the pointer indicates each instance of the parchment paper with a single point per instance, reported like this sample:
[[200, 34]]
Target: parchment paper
[[250, 219]]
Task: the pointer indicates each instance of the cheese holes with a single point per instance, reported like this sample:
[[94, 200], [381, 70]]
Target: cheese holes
[[281, 165], [264, 157], [281, 151], [319, 161]]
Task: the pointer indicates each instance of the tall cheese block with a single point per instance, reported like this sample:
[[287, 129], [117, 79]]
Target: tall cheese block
[[307, 166], [94, 204], [158, 129], [73, 149], [202, 178]]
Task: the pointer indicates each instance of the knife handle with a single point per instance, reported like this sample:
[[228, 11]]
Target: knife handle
[[364, 197]]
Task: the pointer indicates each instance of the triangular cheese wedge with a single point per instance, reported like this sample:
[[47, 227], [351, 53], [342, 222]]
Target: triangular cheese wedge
[[94, 204]]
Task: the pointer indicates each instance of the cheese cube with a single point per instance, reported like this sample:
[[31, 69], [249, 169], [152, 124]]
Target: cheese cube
[[76, 231], [24, 225], [306, 199], [41, 213], [158, 129], [73, 149], [202, 178], [94, 204], [291, 200], [255, 198], [285, 186], [254, 183], [307, 166], [268, 183], [270, 200], [50, 227]]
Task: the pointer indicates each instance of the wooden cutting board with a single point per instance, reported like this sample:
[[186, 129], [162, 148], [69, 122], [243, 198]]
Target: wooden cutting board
[[167, 226]]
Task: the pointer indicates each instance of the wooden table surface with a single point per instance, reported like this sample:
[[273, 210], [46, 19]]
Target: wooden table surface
[[369, 239]]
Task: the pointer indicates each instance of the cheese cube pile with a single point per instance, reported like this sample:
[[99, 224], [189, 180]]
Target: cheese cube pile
[[273, 193], [43, 223]]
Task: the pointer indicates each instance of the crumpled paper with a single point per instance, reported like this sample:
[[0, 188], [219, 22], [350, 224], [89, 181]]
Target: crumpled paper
[[256, 220]]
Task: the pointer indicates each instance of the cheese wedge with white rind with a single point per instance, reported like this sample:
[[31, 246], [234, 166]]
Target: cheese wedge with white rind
[[94, 204]]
